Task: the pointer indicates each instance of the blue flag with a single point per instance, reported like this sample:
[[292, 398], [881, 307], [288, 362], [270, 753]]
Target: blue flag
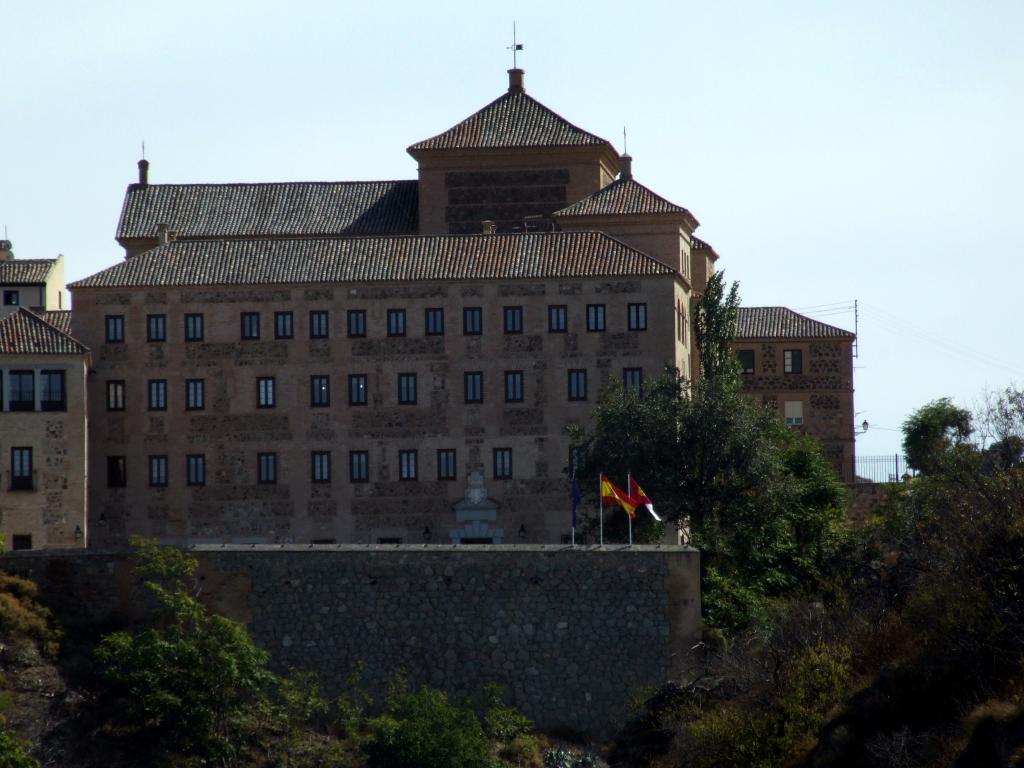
[[576, 499]]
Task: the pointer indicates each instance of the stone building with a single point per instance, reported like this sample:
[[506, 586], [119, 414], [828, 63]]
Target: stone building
[[37, 284]]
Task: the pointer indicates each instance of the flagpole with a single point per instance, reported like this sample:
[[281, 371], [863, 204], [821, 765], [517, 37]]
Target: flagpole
[[600, 496], [629, 517]]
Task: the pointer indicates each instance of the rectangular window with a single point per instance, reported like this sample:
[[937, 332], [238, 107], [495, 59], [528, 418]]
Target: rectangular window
[[319, 324], [115, 395], [266, 467], [21, 469], [557, 314], [513, 319], [357, 322], [158, 471], [446, 464], [194, 327], [407, 461], [357, 389], [595, 317], [117, 477], [433, 321], [746, 360], [266, 396], [578, 384], [794, 412], [792, 361], [513, 386], [250, 326], [502, 463], [115, 329], [472, 321], [320, 466], [21, 541], [396, 322], [637, 317], [195, 394], [158, 394], [11, 298], [319, 391], [156, 327], [284, 325], [196, 467], [473, 386], [633, 380], [358, 466], [407, 388], [22, 390], [52, 396]]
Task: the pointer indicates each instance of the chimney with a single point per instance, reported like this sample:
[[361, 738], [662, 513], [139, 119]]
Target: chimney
[[515, 81], [489, 227], [143, 172], [163, 234], [6, 250], [626, 164]]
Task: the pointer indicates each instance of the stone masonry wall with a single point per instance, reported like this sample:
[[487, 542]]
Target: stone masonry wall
[[570, 633]]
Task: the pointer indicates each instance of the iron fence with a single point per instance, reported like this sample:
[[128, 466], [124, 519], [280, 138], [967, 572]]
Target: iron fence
[[882, 469]]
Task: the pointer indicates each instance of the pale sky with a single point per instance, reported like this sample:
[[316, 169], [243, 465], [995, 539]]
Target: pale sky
[[832, 151]]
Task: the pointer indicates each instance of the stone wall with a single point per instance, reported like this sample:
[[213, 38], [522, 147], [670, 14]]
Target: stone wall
[[571, 634]]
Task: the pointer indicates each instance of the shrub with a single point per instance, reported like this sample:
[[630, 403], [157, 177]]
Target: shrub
[[729, 737], [12, 751], [23, 618]]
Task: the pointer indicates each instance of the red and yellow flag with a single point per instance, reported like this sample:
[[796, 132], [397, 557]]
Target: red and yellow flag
[[642, 498], [612, 494]]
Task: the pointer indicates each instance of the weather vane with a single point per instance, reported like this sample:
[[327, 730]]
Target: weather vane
[[515, 47]]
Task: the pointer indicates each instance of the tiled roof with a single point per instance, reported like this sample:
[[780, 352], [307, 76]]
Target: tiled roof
[[25, 333], [288, 209], [512, 120], [25, 271], [58, 318], [372, 259], [783, 323], [623, 196], [697, 244]]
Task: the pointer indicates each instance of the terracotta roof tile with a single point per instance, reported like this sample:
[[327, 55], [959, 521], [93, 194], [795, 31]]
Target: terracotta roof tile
[[297, 209], [25, 271], [623, 196], [372, 259], [58, 318], [512, 120], [25, 333], [783, 323]]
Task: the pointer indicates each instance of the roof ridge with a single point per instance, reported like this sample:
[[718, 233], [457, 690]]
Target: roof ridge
[[138, 187], [590, 205], [10, 320], [772, 326]]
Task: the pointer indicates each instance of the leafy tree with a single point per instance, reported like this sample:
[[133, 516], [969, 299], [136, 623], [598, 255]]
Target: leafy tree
[[13, 751], [932, 431], [715, 329]]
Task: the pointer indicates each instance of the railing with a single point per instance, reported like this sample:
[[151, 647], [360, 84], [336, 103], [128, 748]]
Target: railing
[[882, 469]]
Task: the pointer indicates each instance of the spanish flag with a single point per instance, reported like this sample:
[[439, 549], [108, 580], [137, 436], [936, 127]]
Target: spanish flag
[[612, 494], [638, 495]]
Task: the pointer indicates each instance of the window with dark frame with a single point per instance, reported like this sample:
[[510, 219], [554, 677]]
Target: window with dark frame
[[557, 318], [266, 472], [156, 327], [115, 395], [22, 390], [250, 326], [578, 384], [637, 316], [473, 386], [319, 391], [157, 471], [358, 466], [792, 361], [52, 396], [356, 323], [320, 466], [194, 327], [11, 298], [595, 317], [21, 541], [357, 390], [433, 321], [21, 469], [746, 360], [446, 467], [195, 394], [284, 325], [513, 386], [117, 477], [407, 465], [396, 322], [513, 319], [158, 394], [472, 321], [196, 469], [633, 380], [407, 388], [319, 324], [502, 463], [266, 396], [115, 329]]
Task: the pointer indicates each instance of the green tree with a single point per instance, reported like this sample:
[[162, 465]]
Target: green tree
[[932, 431]]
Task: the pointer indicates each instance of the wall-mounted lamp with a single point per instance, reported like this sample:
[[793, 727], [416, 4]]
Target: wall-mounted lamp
[[426, 533], [78, 533], [522, 531], [863, 427]]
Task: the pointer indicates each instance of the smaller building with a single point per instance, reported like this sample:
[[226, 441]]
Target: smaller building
[[37, 284], [804, 369], [42, 431]]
